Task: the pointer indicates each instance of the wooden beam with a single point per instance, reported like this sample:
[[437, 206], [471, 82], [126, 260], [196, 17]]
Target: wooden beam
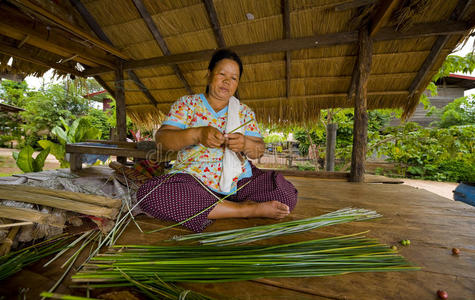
[[437, 48], [213, 19], [69, 58], [25, 55], [160, 41], [16, 27], [353, 4], [302, 98], [105, 85], [90, 20], [286, 22], [382, 15], [121, 125], [38, 10], [92, 23], [23, 41], [142, 87], [417, 31], [360, 128]]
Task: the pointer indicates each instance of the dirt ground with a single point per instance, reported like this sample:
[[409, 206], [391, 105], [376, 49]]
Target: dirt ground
[[8, 167]]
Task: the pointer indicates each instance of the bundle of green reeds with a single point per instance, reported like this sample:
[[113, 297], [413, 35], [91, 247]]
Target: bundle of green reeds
[[246, 235], [206, 263], [16, 261]]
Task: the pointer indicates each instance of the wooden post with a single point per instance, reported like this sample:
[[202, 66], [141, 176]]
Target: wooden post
[[331, 145], [121, 123], [360, 126]]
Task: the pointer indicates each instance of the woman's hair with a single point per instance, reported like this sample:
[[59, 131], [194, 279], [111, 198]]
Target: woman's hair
[[224, 54]]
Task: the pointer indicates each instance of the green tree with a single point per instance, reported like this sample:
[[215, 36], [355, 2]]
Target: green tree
[[461, 111], [14, 93], [99, 120]]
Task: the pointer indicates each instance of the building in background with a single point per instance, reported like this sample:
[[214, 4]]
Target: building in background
[[101, 97], [448, 89]]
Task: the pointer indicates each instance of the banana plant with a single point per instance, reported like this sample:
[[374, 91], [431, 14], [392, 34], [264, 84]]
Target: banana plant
[[27, 163], [79, 131]]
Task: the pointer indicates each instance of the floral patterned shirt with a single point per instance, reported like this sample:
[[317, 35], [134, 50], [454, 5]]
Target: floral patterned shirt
[[202, 162]]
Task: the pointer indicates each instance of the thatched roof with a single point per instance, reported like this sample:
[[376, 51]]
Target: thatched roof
[[299, 55]]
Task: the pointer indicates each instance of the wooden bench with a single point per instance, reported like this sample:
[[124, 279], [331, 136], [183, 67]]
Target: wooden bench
[[123, 149]]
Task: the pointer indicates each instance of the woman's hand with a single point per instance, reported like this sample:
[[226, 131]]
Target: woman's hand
[[210, 137], [236, 142]]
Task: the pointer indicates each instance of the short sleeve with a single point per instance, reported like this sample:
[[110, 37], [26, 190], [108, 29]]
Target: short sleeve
[[179, 112], [251, 128]]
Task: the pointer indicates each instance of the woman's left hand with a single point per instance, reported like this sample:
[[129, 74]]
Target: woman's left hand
[[235, 141]]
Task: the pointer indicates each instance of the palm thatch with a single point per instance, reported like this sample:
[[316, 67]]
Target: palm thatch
[[320, 75]]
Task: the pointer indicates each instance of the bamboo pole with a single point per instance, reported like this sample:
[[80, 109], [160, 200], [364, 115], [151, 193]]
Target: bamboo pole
[[16, 224], [62, 203], [86, 198], [30, 215]]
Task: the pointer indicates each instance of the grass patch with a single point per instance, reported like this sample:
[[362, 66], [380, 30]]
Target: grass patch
[[6, 174]]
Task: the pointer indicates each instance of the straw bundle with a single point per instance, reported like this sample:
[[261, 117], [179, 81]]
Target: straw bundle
[[70, 201], [323, 257]]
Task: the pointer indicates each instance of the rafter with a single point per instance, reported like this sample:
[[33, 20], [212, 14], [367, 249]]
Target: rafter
[[23, 41], [38, 10], [437, 48], [92, 23], [142, 87], [381, 16], [213, 18], [105, 85], [160, 41], [26, 56], [286, 22], [417, 31], [300, 98], [16, 27]]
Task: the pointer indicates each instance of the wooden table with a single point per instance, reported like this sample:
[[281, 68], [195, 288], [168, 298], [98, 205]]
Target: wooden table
[[122, 150]]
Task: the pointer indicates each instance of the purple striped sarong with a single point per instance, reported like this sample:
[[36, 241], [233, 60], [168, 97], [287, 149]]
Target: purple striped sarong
[[182, 196]]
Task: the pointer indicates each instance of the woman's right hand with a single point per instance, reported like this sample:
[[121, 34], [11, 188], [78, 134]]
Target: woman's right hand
[[210, 137]]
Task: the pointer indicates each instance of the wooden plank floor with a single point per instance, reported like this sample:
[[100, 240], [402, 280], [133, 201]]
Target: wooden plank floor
[[433, 224]]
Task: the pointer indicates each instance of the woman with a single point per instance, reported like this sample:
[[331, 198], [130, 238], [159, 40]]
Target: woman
[[210, 164]]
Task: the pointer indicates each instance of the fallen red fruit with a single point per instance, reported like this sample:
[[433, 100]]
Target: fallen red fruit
[[455, 251], [442, 294]]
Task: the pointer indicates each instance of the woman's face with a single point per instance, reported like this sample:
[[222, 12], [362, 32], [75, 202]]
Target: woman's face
[[223, 80]]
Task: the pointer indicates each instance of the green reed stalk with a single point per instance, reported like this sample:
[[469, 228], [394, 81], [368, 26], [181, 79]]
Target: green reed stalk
[[207, 263], [251, 234]]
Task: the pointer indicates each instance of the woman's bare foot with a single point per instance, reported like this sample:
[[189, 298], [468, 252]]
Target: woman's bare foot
[[249, 209], [271, 209]]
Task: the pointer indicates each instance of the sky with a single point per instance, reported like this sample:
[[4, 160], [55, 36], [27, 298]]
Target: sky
[[35, 83]]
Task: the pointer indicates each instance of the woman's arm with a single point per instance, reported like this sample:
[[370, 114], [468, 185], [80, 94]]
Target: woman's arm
[[174, 138], [253, 147]]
